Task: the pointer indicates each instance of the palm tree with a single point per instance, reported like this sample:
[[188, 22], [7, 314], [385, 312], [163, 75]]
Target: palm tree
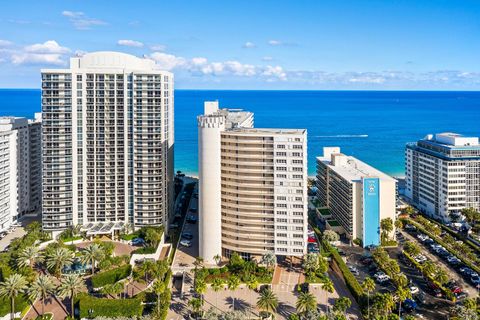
[[57, 259], [369, 286], [198, 263], [429, 268], [158, 288], [217, 258], [200, 287], [327, 286], [196, 305], [386, 225], [232, 284], [70, 285], [341, 305], [441, 276], [402, 294], [310, 262], [113, 289], [217, 285], [28, 257], [11, 288], [41, 288], [93, 253], [306, 302], [269, 259], [267, 301]]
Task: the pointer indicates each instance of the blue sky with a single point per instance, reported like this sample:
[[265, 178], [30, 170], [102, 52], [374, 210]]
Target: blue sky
[[321, 44]]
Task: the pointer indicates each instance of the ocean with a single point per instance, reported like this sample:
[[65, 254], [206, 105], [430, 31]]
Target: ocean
[[373, 126]]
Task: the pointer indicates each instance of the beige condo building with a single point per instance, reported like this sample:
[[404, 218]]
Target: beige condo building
[[253, 186]]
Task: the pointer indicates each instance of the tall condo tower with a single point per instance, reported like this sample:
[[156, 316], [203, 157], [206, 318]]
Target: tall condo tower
[[253, 186], [442, 174], [20, 169], [107, 143]]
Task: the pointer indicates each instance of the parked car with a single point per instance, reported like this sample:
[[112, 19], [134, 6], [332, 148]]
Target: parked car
[[475, 280], [461, 295], [173, 226], [312, 239], [137, 241], [410, 227], [186, 243], [192, 219], [420, 258], [413, 289], [409, 305], [420, 298], [187, 235], [434, 290], [353, 270]]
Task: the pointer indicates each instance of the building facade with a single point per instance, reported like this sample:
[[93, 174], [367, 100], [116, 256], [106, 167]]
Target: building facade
[[359, 196], [252, 186], [20, 157], [107, 143], [443, 174]]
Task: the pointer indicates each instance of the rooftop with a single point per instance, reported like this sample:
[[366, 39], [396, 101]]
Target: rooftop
[[350, 168], [452, 139], [270, 131]]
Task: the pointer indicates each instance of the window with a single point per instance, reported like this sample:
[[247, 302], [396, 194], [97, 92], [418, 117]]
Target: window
[[298, 243], [280, 146], [298, 235], [281, 220], [297, 169], [281, 205], [282, 242], [282, 228], [298, 206], [281, 154], [282, 161], [282, 249], [282, 212], [297, 146], [282, 168], [282, 176], [297, 161], [281, 235], [281, 198], [297, 221], [297, 154]]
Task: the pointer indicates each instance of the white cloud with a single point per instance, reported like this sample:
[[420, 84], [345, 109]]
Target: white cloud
[[130, 43], [49, 52], [80, 21], [167, 61], [37, 58], [267, 58], [275, 72], [158, 47], [249, 45], [275, 42], [5, 43], [50, 46]]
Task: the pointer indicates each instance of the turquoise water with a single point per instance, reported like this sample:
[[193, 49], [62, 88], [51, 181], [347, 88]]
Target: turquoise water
[[371, 125]]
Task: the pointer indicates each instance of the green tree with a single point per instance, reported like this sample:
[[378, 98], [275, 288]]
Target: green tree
[[327, 286], [386, 226], [412, 248], [28, 257], [113, 289], [310, 262], [232, 284], [14, 285], [217, 285], [341, 305], [409, 210], [93, 254], [402, 293], [267, 301], [471, 215], [369, 286], [153, 237], [217, 258], [158, 288], [269, 259], [330, 236], [41, 288], [441, 276], [252, 283], [196, 305], [70, 285], [305, 302], [57, 259], [398, 224]]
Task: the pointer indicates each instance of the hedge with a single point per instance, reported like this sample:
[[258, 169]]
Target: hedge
[[144, 250], [20, 304], [131, 308], [417, 265], [111, 276], [446, 246], [352, 283]]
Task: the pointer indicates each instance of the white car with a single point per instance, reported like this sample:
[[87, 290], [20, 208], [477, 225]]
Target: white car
[[186, 243], [413, 289], [383, 278], [420, 258]]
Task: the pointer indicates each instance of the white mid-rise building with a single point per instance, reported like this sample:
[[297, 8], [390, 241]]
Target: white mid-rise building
[[359, 196], [107, 143], [20, 169], [252, 186], [443, 174]]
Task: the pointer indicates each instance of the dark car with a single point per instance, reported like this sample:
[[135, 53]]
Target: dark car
[[187, 235], [192, 219], [420, 298]]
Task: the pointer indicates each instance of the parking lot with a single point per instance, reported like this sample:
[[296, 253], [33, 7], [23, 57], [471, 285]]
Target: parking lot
[[452, 269], [16, 232]]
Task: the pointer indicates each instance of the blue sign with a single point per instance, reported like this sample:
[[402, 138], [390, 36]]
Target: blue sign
[[371, 212]]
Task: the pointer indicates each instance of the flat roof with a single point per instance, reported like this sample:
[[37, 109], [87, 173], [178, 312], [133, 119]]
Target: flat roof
[[354, 170], [269, 131]]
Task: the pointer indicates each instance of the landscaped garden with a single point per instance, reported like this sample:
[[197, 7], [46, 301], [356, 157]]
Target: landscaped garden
[[31, 273]]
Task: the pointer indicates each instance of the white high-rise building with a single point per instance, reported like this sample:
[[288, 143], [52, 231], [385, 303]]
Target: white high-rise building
[[107, 143], [359, 196], [19, 169], [443, 174], [252, 186]]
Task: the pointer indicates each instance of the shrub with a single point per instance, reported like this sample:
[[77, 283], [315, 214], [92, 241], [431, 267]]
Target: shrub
[[20, 304], [111, 276], [352, 284], [99, 307], [144, 250]]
